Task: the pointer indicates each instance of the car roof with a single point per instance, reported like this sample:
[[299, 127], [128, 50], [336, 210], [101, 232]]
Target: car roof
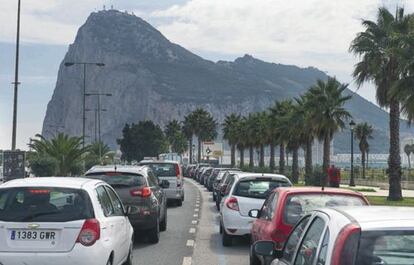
[[58, 182], [260, 175], [301, 190], [158, 162], [379, 217], [141, 170]]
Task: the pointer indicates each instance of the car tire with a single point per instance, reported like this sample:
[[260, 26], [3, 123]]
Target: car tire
[[217, 205], [221, 229], [254, 260], [154, 233], [227, 239], [182, 198], [179, 202], [129, 259], [214, 197], [163, 224]]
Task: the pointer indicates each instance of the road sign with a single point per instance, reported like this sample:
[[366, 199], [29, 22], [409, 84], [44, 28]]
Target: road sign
[[13, 165], [212, 149]]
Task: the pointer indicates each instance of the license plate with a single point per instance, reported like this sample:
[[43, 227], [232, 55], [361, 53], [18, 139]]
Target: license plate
[[33, 235]]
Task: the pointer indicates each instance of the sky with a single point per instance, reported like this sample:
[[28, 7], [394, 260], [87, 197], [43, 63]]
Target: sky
[[297, 32]]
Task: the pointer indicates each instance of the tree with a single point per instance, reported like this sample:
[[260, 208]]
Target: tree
[[67, 151], [42, 166], [189, 128], [379, 50], [408, 149], [278, 110], [176, 138], [328, 114], [363, 132], [99, 153], [242, 139], [141, 140], [231, 126]]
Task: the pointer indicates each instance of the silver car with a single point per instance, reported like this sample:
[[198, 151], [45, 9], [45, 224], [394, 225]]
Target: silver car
[[172, 172], [362, 235]]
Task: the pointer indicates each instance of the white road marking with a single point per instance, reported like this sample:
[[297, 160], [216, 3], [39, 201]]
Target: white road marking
[[194, 222], [196, 210], [190, 243], [192, 230], [196, 215], [187, 261]]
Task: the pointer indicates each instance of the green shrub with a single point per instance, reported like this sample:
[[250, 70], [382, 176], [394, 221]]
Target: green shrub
[[43, 166]]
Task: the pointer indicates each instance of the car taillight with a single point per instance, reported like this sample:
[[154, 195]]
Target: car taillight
[[143, 192], [346, 245], [232, 204], [177, 170], [279, 238], [90, 232]]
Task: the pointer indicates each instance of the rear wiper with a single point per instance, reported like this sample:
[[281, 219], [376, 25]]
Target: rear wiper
[[120, 185], [27, 218]]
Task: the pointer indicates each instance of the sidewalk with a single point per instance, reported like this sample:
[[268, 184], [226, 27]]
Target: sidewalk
[[378, 191]]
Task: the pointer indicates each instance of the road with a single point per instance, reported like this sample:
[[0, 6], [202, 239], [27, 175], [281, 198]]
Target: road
[[192, 236]]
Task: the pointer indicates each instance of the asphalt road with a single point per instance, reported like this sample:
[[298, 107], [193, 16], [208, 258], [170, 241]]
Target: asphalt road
[[177, 243]]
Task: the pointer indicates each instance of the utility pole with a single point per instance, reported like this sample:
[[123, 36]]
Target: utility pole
[[16, 80]]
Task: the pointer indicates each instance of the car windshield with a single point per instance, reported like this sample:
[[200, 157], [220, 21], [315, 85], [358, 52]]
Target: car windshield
[[162, 169], [386, 247], [257, 188], [297, 205], [119, 179], [44, 204]]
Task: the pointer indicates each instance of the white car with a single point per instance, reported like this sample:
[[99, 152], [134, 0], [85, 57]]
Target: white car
[[65, 221], [244, 192], [362, 235]]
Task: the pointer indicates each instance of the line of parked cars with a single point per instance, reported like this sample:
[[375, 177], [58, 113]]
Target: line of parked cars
[[92, 219], [305, 225]]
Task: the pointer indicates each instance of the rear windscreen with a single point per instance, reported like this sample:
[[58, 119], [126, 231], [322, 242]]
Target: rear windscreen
[[162, 169], [119, 179], [45, 204], [258, 188]]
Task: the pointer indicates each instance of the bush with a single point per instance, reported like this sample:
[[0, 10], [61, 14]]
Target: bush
[[43, 166]]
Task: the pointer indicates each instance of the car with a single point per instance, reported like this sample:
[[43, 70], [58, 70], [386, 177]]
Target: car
[[172, 172], [214, 175], [221, 187], [197, 169], [244, 192], [358, 235], [140, 189], [200, 174], [285, 206], [207, 172], [65, 221]]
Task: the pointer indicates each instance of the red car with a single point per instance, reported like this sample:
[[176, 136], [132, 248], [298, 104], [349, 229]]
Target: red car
[[285, 206]]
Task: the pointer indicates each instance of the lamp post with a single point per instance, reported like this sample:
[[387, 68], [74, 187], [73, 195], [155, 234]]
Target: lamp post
[[68, 64], [352, 180], [97, 117], [99, 110], [16, 82]]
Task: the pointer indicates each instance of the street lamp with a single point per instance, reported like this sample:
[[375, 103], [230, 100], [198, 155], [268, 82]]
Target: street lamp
[[96, 110], [69, 64], [99, 110], [352, 127]]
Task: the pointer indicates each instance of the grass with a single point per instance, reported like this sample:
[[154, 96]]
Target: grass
[[363, 189], [379, 200]]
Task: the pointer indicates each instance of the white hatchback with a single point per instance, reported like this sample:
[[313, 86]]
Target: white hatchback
[[63, 221], [244, 192]]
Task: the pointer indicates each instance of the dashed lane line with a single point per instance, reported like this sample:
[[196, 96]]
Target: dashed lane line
[[187, 261]]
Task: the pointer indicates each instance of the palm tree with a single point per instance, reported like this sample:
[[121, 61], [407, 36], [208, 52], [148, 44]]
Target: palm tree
[[363, 132], [278, 110], [328, 113], [66, 150], [379, 48], [171, 129], [242, 139], [408, 149], [205, 127], [230, 133], [189, 129], [251, 142]]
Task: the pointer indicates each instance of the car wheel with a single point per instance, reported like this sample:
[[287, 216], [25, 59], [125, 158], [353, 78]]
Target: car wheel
[[163, 224], [214, 197], [129, 259], [221, 229], [217, 205], [227, 239], [179, 202], [154, 233]]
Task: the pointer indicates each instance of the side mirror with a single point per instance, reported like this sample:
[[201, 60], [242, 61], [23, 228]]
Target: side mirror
[[266, 250], [165, 184], [254, 213]]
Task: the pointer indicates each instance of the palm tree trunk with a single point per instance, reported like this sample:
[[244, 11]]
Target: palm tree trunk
[[272, 156], [287, 158], [363, 163], [326, 158], [409, 162], [282, 159], [394, 159], [233, 155], [261, 159], [191, 149], [199, 151], [367, 160], [251, 153], [308, 162], [295, 165], [241, 150]]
